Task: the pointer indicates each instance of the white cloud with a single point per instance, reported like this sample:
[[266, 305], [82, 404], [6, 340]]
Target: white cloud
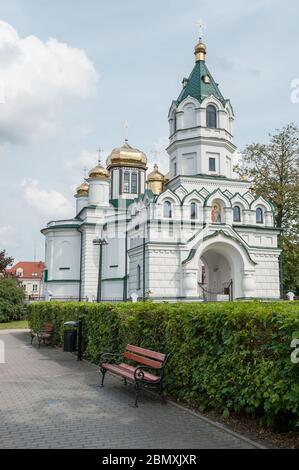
[[37, 79], [7, 236], [49, 203]]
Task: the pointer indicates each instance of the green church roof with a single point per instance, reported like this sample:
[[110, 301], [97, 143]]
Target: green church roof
[[196, 87]]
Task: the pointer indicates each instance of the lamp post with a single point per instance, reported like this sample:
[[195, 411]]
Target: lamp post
[[100, 242]]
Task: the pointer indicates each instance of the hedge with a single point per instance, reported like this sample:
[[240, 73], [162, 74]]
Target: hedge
[[232, 357], [11, 300]]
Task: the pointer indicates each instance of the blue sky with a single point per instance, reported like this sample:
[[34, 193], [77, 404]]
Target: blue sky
[[109, 62]]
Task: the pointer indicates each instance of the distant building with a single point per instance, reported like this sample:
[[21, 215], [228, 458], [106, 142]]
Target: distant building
[[30, 274]]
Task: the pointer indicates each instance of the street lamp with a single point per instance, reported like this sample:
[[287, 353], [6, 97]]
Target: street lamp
[[100, 242]]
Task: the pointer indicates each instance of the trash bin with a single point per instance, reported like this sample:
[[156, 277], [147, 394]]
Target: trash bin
[[70, 341], [70, 338]]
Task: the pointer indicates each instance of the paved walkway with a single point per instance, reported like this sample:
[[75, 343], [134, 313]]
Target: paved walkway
[[49, 400]]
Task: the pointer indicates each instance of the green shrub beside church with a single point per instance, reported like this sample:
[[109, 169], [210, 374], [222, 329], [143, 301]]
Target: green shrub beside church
[[11, 300], [233, 357]]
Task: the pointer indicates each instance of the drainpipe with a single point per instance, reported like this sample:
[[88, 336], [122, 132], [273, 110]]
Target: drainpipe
[[80, 276]]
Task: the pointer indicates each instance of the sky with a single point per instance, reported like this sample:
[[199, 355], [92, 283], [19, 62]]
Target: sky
[[72, 72]]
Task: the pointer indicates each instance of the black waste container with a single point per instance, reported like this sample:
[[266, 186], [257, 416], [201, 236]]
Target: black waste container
[[70, 341]]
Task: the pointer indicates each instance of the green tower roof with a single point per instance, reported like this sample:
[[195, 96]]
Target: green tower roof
[[200, 84]]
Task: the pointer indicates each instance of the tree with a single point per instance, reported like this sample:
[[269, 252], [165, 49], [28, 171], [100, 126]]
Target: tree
[[5, 261], [273, 169]]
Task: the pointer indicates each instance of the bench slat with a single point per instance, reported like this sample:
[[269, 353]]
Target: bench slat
[[146, 352], [142, 360], [124, 372]]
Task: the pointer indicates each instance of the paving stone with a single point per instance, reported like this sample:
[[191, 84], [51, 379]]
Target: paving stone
[[50, 400]]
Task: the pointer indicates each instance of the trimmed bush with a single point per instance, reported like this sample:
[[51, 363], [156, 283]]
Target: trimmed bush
[[11, 300], [226, 356]]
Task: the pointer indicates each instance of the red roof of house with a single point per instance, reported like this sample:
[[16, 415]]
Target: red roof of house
[[29, 269]]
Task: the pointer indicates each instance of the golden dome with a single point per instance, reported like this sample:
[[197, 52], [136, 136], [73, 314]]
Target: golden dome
[[200, 51], [155, 181], [82, 190], [99, 172], [126, 156], [155, 175]]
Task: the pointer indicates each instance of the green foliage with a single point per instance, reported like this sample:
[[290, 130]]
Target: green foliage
[[227, 356], [5, 261], [273, 170], [11, 300]]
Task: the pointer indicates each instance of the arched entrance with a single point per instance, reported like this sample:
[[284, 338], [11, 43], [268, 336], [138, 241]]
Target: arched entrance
[[221, 270], [219, 264]]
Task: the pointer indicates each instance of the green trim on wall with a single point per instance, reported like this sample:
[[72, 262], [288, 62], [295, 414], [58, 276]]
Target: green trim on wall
[[64, 280]]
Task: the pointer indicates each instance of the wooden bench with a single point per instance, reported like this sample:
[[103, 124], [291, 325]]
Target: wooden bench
[[148, 371], [44, 335]]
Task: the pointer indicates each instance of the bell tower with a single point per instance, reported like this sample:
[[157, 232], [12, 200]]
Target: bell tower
[[200, 125]]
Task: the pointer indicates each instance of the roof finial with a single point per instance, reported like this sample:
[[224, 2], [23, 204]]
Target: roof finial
[[200, 24], [126, 127], [200, 48], [99, 155]]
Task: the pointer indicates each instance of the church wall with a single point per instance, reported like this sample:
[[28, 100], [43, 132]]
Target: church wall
[[63, 255], [164, 272], [267, 275], [90, 264], [62, 290]]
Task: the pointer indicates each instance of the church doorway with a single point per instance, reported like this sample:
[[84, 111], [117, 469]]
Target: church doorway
[[220, 273]]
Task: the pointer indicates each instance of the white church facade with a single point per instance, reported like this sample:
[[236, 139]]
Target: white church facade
[[194, 234]]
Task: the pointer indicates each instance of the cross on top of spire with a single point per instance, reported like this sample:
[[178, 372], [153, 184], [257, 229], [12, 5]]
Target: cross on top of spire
[[201, 26], [99, 154]]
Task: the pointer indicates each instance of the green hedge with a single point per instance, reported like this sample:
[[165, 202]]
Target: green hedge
[[227, 356], [11, 300]]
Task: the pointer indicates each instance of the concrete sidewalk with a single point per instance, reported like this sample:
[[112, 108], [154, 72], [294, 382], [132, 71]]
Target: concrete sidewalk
[[49, 400]]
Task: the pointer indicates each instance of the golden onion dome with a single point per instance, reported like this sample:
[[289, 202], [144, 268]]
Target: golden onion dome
[[200, 51], [126, 156], [155, 181], [99, 172], [82, 190], [155, 175]]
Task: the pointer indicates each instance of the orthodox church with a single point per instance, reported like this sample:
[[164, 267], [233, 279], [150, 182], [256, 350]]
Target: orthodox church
[[193, 234]]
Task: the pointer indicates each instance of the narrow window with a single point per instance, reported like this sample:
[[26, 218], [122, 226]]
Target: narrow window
[[259, 216], [174, 168], [237, 214], [193, 210], [134, 183], [126, 182], [138, 277], [211, 117], [212, 164], [167, 210]]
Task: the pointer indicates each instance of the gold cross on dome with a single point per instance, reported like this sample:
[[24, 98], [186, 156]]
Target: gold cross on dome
[[99, 154], [126, 127], [200, 24]]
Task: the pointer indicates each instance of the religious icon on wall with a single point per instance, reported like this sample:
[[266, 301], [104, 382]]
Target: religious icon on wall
[[216, 213]]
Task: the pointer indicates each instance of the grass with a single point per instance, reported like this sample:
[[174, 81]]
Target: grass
[[13, 325]]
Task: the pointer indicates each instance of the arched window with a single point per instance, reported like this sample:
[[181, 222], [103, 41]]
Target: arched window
[[167, 209], [259, 217], [237, 214], [193, 210], [189, 116], [126, 182], [134, 183], [138, 277], [211, 116]]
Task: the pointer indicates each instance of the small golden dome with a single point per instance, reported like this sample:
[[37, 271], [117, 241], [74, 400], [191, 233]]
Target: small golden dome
[[99, 173], [155, 175], [155, 181], [126, 156], [82, 190], [200, 51]]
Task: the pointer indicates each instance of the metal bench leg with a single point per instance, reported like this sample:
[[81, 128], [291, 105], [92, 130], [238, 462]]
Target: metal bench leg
[[32, 337], [137, 391], [39, 342], [103, 377], [125, 381]]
